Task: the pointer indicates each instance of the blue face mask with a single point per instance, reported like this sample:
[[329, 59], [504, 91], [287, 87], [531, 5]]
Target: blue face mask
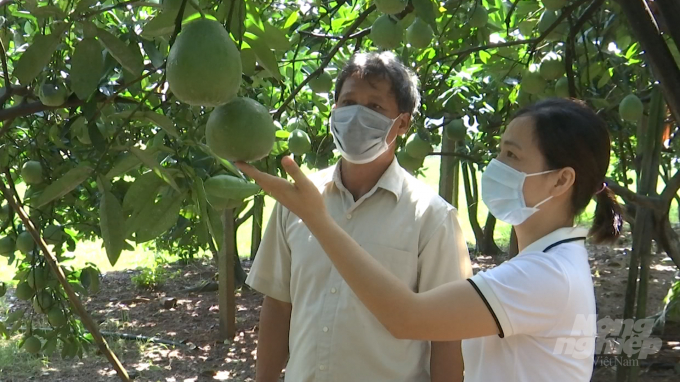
[[360, 134], [502, 192]]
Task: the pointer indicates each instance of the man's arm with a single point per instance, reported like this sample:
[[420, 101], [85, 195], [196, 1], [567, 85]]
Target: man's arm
[[446, 362], [272, 344]]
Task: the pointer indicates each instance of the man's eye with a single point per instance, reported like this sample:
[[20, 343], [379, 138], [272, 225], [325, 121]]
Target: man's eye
[[376, 107]]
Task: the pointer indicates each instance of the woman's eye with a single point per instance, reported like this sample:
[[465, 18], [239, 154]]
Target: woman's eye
[[376, 107], [510, 154], [348, 102]]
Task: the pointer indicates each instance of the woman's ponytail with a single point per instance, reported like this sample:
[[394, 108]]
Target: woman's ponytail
[[608, 217]]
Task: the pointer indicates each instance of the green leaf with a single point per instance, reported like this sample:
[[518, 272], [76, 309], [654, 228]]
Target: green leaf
[[3, 331], [201, 201], [62, 186], [265, 56], [161, 217], [50, 346], [87, 65], [225, 163], [36, 57], [143, 191], [127, 162], [154, 54], [48, 11], [83, 5], [151, 162], [163, 122], [604, 80], [128, 58], [216, 227], [149, 116], [425, 10], [112, 225], [292, 18], [275, 38]]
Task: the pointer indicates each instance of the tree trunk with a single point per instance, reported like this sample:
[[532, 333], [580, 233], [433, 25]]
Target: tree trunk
[[513, 248], [226, 271], [258, 211], [644, 223], [490, 248], [446, 168], [470, 181]]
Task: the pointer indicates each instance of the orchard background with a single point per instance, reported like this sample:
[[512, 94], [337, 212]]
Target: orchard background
[[121, 225]]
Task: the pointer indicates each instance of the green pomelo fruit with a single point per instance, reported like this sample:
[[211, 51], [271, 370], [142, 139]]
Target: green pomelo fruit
[[554, 5], [552, 68], [547, 19], [321, 83], [419, 34], [456, 130], [7, 246], [299, 142], [386, 33], [562, 87], [52, 95], [408, 162], [24, 291], [241, 130], [56, 317], [533, 83], [204, 65], [417, 147], [390, 7], [479, 17], [630, 108], [32, 345], [31, 172], [25, 242], [37, 278]]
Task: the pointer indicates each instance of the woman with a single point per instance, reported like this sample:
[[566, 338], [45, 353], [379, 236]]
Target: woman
[[531, 318]]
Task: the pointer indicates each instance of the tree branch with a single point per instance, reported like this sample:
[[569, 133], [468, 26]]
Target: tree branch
[[35, 107], [629, 196], [669, 13], [458, 155], [671, 189], [657, 54], [326, 61]]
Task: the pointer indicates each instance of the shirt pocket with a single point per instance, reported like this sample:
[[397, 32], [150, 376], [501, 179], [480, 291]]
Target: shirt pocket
[[403, 264]]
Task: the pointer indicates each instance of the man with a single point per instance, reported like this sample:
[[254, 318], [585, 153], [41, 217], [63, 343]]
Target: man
[[309, 316]]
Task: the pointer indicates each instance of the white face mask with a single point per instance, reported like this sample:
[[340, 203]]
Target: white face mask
[[360, 133], [502, 192]]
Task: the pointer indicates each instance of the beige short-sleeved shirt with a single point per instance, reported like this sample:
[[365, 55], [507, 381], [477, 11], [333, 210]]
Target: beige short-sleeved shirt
[[401, 222]]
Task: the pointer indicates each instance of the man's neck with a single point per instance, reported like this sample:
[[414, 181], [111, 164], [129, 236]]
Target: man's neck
[[359, 179]]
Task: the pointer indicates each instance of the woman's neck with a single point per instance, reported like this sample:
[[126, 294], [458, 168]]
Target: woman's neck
[[534, 229]]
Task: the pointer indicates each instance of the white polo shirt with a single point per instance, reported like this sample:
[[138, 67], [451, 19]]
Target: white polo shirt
[[542, 301], [403, 224]]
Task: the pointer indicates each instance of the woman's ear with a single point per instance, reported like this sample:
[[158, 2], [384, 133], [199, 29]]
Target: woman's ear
[[404, 123], [564, 181]]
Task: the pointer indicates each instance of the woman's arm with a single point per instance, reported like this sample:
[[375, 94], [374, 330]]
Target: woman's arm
[[450, 312]]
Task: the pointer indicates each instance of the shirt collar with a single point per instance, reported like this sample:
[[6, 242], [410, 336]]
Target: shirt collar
[[558, 235], [391, 180]]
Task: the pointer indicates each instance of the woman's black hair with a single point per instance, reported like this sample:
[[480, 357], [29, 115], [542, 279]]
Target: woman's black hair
[[570, 134], [383, 65]]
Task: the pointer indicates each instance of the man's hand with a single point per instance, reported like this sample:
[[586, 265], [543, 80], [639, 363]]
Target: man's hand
[[301, 196]]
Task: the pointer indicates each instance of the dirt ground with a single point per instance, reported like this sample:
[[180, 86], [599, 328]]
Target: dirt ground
[[122, 308]]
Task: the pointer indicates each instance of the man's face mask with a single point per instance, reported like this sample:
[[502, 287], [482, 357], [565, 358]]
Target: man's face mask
[[503, 193], [360, 133]]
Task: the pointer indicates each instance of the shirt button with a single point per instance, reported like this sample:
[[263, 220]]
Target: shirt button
[[322, 367], [333, 290], [325, 329], [349, 216]]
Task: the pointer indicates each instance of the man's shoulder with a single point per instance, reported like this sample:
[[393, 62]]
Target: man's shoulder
[[423, 195]]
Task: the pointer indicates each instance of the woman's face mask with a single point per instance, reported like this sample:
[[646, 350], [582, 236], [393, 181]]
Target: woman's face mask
[[360, 133], [502, 192]]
